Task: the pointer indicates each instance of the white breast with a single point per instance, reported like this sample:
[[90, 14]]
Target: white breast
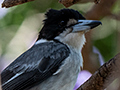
[[65, 78]]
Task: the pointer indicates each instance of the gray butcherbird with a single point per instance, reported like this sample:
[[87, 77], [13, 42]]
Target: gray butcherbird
[[54, 61]]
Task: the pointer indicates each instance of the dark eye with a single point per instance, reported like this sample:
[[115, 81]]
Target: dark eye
[[62, 23]]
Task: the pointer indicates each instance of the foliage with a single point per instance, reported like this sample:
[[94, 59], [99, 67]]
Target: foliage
[[11, 22]]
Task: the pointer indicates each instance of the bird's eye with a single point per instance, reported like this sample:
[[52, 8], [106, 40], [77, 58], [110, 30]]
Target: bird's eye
[[61, 23]]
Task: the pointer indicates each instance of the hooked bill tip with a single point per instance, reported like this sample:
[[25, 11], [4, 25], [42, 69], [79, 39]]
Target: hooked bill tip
[[94, 24]]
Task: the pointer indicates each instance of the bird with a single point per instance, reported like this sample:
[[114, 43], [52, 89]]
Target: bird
[[55, 59]]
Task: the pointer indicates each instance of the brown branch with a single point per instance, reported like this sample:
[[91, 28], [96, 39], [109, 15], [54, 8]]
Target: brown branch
[[10, 3], [104, 75], [68, 3]]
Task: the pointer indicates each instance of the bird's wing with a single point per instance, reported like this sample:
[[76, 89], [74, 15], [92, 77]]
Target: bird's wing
[[34, 66]]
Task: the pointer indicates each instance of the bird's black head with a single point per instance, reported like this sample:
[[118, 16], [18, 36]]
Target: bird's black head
[[56, 21]]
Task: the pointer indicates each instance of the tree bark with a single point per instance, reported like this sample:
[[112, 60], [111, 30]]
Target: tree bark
[[105, 75], [10, 3]]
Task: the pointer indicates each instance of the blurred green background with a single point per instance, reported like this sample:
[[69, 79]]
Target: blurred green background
[[20, 26]]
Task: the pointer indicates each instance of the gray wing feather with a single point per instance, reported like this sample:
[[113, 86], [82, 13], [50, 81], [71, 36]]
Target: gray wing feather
[[34, 66]]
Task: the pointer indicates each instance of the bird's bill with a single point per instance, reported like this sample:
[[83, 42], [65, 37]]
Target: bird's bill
[[85, 25]]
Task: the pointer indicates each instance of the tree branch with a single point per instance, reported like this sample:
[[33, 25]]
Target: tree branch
[[104, 75], [68, 3], [10, 3]]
